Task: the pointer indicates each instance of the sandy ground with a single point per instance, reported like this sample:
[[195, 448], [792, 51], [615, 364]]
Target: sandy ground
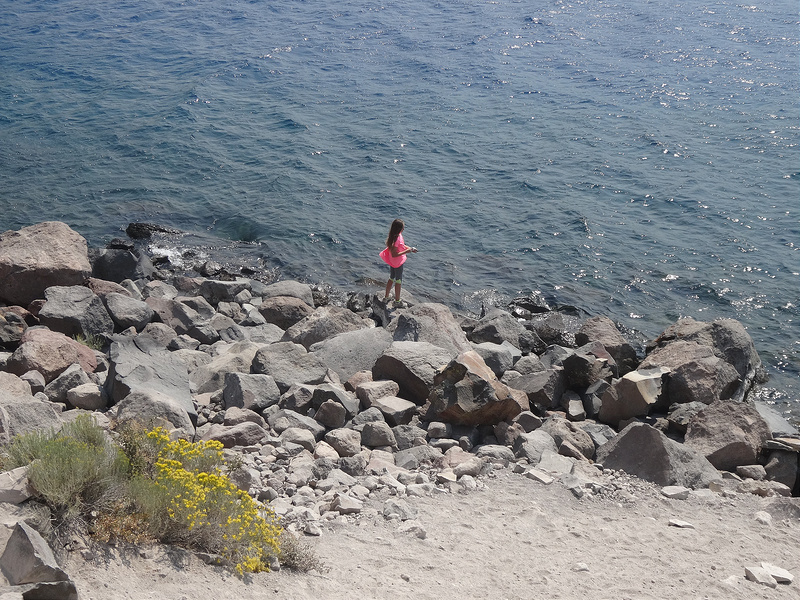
[[513, 538]]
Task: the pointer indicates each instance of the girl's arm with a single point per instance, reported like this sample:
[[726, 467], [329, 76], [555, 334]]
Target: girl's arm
[[406, 250]]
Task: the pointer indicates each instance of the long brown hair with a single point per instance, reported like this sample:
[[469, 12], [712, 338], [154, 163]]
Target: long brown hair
[[395, 230]]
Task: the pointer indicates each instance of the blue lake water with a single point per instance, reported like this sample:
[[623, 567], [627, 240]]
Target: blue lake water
[[636, 159]]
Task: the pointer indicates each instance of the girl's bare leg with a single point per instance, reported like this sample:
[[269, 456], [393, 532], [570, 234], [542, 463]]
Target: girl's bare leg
[[388, 289]]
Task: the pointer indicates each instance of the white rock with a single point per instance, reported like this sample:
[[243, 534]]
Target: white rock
[[780, 575], [675, 492], [761, 576], [681, 524], [539, 475], [764, 518], [415, 528]]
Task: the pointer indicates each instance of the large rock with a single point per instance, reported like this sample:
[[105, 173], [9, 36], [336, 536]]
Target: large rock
[[19, 416], [140, 364], [562, 430], [729, 341], [413, 366], [498, 326], [532, 445], [56, 390], [38, 257], [289, 363], [181, 317], [634, 395], [696, 373], [153, 408], [543, 388], [432, 323], [237, 357], [128, 312], [50, 353], [119, 264], [246, 433], [222, 291], [12, 326], [602, 329], [353, 351], [647, 453], [467, 392], [295, 289], [325, 322], [284, 311], [75, 310], [245, 390], [28, 559], [728, 434]]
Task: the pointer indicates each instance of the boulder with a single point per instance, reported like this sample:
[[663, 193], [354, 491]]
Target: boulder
[[12, 326], [553, 328], [181, 317], [236, 357], [235, 415], [583, 369], [284, 311], [396, 411], [730, 341], [634, 395], [14, 487], [413, 366], [467, 392], [377, 434], [645, 452], [778, 425], [28, 559], [325, 322], [246, 433], [87, 396], [12, 386], [331, 414], [75, 310], [531, 445], [543, 388], [293, 289], [602, 329], [128, 312], [56, 390], [498, 326], [346, 442], [370, 391], [498, 357], [289, 363], [289, 418], [432, 323], [38, 257], [408, 436], [140, 364], [728, 434], [222, 291], [245, 390], [353, 351], [119, 264], [19, 416], [783, 466], [327, 391], [564, 431], [696, 373], [154, 408]]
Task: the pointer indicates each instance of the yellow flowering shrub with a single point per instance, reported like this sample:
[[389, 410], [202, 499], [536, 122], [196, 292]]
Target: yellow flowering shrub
[[190, 501]]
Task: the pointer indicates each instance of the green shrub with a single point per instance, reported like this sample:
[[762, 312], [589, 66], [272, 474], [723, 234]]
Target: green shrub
[[74, 471]]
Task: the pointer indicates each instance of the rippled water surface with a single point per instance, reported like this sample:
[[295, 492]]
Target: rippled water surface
[[636, 159]]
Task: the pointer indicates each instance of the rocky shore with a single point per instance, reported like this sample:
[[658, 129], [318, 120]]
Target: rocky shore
[[339, 413]]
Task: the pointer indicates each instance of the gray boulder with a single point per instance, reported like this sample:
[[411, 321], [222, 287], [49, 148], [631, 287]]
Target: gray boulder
[[602, 329], [564, 431], [153, 408], [28, 558], [377, 434], [728, 434], [245, 390], [222, 291], [543, 388], [413, 366], [467, 392], [634, 395], [432, 323], [326, 391], [246, 433], [346, 442], [294, 289], [38, 257], [75, 310], [696, 373], [370, 391], [289, 363], [396, 411], [56, 390], [237, 357], [325, 322], [647, 453], [19, 416], [284, 311], [498, 326], [532, 445], [140, 364], [353, 351], [498, 357], [128, 312], [117, 264], [283, 419]]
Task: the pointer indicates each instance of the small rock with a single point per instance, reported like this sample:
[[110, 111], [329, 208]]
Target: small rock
[[414, 528], [312, 528], [760, 576], [764, 518], [778, 574], [675, 492], [539, 475], [680, 524]]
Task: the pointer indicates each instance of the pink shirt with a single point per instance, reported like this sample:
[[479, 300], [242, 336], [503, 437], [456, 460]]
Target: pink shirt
[[395, 261]]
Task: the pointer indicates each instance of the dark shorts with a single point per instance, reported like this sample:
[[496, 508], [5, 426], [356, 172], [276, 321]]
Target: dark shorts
[[396, 274]]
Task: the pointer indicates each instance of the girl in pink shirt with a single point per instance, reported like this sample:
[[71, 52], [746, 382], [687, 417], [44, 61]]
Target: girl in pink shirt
[[394, 255]]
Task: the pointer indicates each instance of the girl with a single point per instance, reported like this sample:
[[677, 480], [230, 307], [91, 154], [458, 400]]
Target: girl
[[394, 255]]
